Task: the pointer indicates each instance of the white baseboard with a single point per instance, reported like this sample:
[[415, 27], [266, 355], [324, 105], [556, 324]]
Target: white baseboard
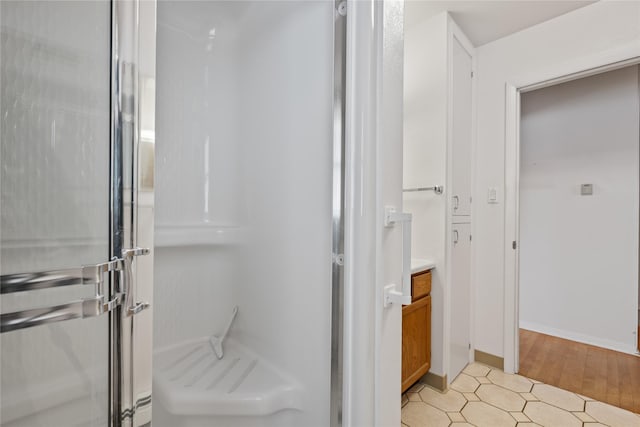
[[576, 336]]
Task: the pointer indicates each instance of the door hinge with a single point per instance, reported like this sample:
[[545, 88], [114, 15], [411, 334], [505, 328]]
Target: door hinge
[[514, 245], [472, 74], [470, 238]]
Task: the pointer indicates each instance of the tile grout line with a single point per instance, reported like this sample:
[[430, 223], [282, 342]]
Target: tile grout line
[[584, 402]]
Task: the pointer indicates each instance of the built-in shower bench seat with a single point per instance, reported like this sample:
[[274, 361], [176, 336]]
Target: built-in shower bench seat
[[190, 380]]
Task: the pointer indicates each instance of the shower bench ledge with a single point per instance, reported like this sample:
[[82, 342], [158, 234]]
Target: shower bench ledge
[[190, 380]]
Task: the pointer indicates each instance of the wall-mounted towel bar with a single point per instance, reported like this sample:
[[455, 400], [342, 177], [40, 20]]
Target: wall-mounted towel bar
[[438, 189]]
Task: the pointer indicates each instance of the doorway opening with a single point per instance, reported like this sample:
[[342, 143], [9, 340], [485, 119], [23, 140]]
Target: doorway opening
[[578, 197], [576, 225]]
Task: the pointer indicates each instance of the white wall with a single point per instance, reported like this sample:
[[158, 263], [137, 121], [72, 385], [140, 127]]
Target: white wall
[[425, 157], [579, 254], [594, 29]]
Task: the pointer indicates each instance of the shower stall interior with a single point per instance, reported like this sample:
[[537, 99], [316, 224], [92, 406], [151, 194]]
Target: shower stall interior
[[227, 318], [244, 131]]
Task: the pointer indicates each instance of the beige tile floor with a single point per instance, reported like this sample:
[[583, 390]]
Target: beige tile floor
[[487, 397]]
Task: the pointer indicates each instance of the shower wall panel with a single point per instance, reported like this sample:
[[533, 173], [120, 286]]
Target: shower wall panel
[[197, 174], [287, 91], [244, 175]]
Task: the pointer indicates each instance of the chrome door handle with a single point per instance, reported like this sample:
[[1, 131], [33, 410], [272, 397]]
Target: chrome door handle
[[137, 308], [456, 237], [456, 205], [127, 258], [79, 309]]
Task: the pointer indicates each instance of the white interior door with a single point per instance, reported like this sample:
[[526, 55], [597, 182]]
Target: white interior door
[[373, 252], [460, 299], [461, 130], [390, 104]]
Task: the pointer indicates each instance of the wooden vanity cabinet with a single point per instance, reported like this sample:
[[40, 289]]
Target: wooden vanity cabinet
[[416, 331]]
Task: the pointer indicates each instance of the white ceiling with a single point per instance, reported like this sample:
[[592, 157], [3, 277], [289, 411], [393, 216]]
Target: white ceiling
[[485, 21]]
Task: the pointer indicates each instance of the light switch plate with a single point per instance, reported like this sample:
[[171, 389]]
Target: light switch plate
[[492, 195]]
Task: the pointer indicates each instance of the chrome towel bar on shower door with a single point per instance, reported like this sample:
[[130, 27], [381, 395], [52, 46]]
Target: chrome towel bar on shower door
[[95, 305], [438, 189], [89, 307]]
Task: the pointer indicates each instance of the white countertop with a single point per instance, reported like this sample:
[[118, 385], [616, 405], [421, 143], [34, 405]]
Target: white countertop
[[418, 265]]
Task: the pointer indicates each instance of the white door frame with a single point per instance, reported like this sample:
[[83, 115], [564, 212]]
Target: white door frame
[[579, 68], [373, 180]]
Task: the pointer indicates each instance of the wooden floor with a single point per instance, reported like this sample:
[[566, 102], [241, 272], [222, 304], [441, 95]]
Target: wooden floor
[[594, 372]]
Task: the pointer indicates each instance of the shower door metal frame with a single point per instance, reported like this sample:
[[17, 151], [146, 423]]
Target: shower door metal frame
[[338, 209], [122, 30], [130, 380]]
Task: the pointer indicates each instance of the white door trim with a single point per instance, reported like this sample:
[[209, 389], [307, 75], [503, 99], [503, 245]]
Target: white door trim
[[597, 63]]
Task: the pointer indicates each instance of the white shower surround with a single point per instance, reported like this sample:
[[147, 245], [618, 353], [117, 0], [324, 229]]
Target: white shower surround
[[243, 194]]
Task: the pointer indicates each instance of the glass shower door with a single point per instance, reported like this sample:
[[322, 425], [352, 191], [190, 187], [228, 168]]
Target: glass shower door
[[65, 193]]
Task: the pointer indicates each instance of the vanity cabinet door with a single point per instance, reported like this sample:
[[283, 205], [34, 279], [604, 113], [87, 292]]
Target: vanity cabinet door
[[416, 341]]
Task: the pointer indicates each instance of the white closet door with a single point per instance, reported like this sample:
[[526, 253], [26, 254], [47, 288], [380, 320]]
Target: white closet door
[[461, 130], [460, 321]]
